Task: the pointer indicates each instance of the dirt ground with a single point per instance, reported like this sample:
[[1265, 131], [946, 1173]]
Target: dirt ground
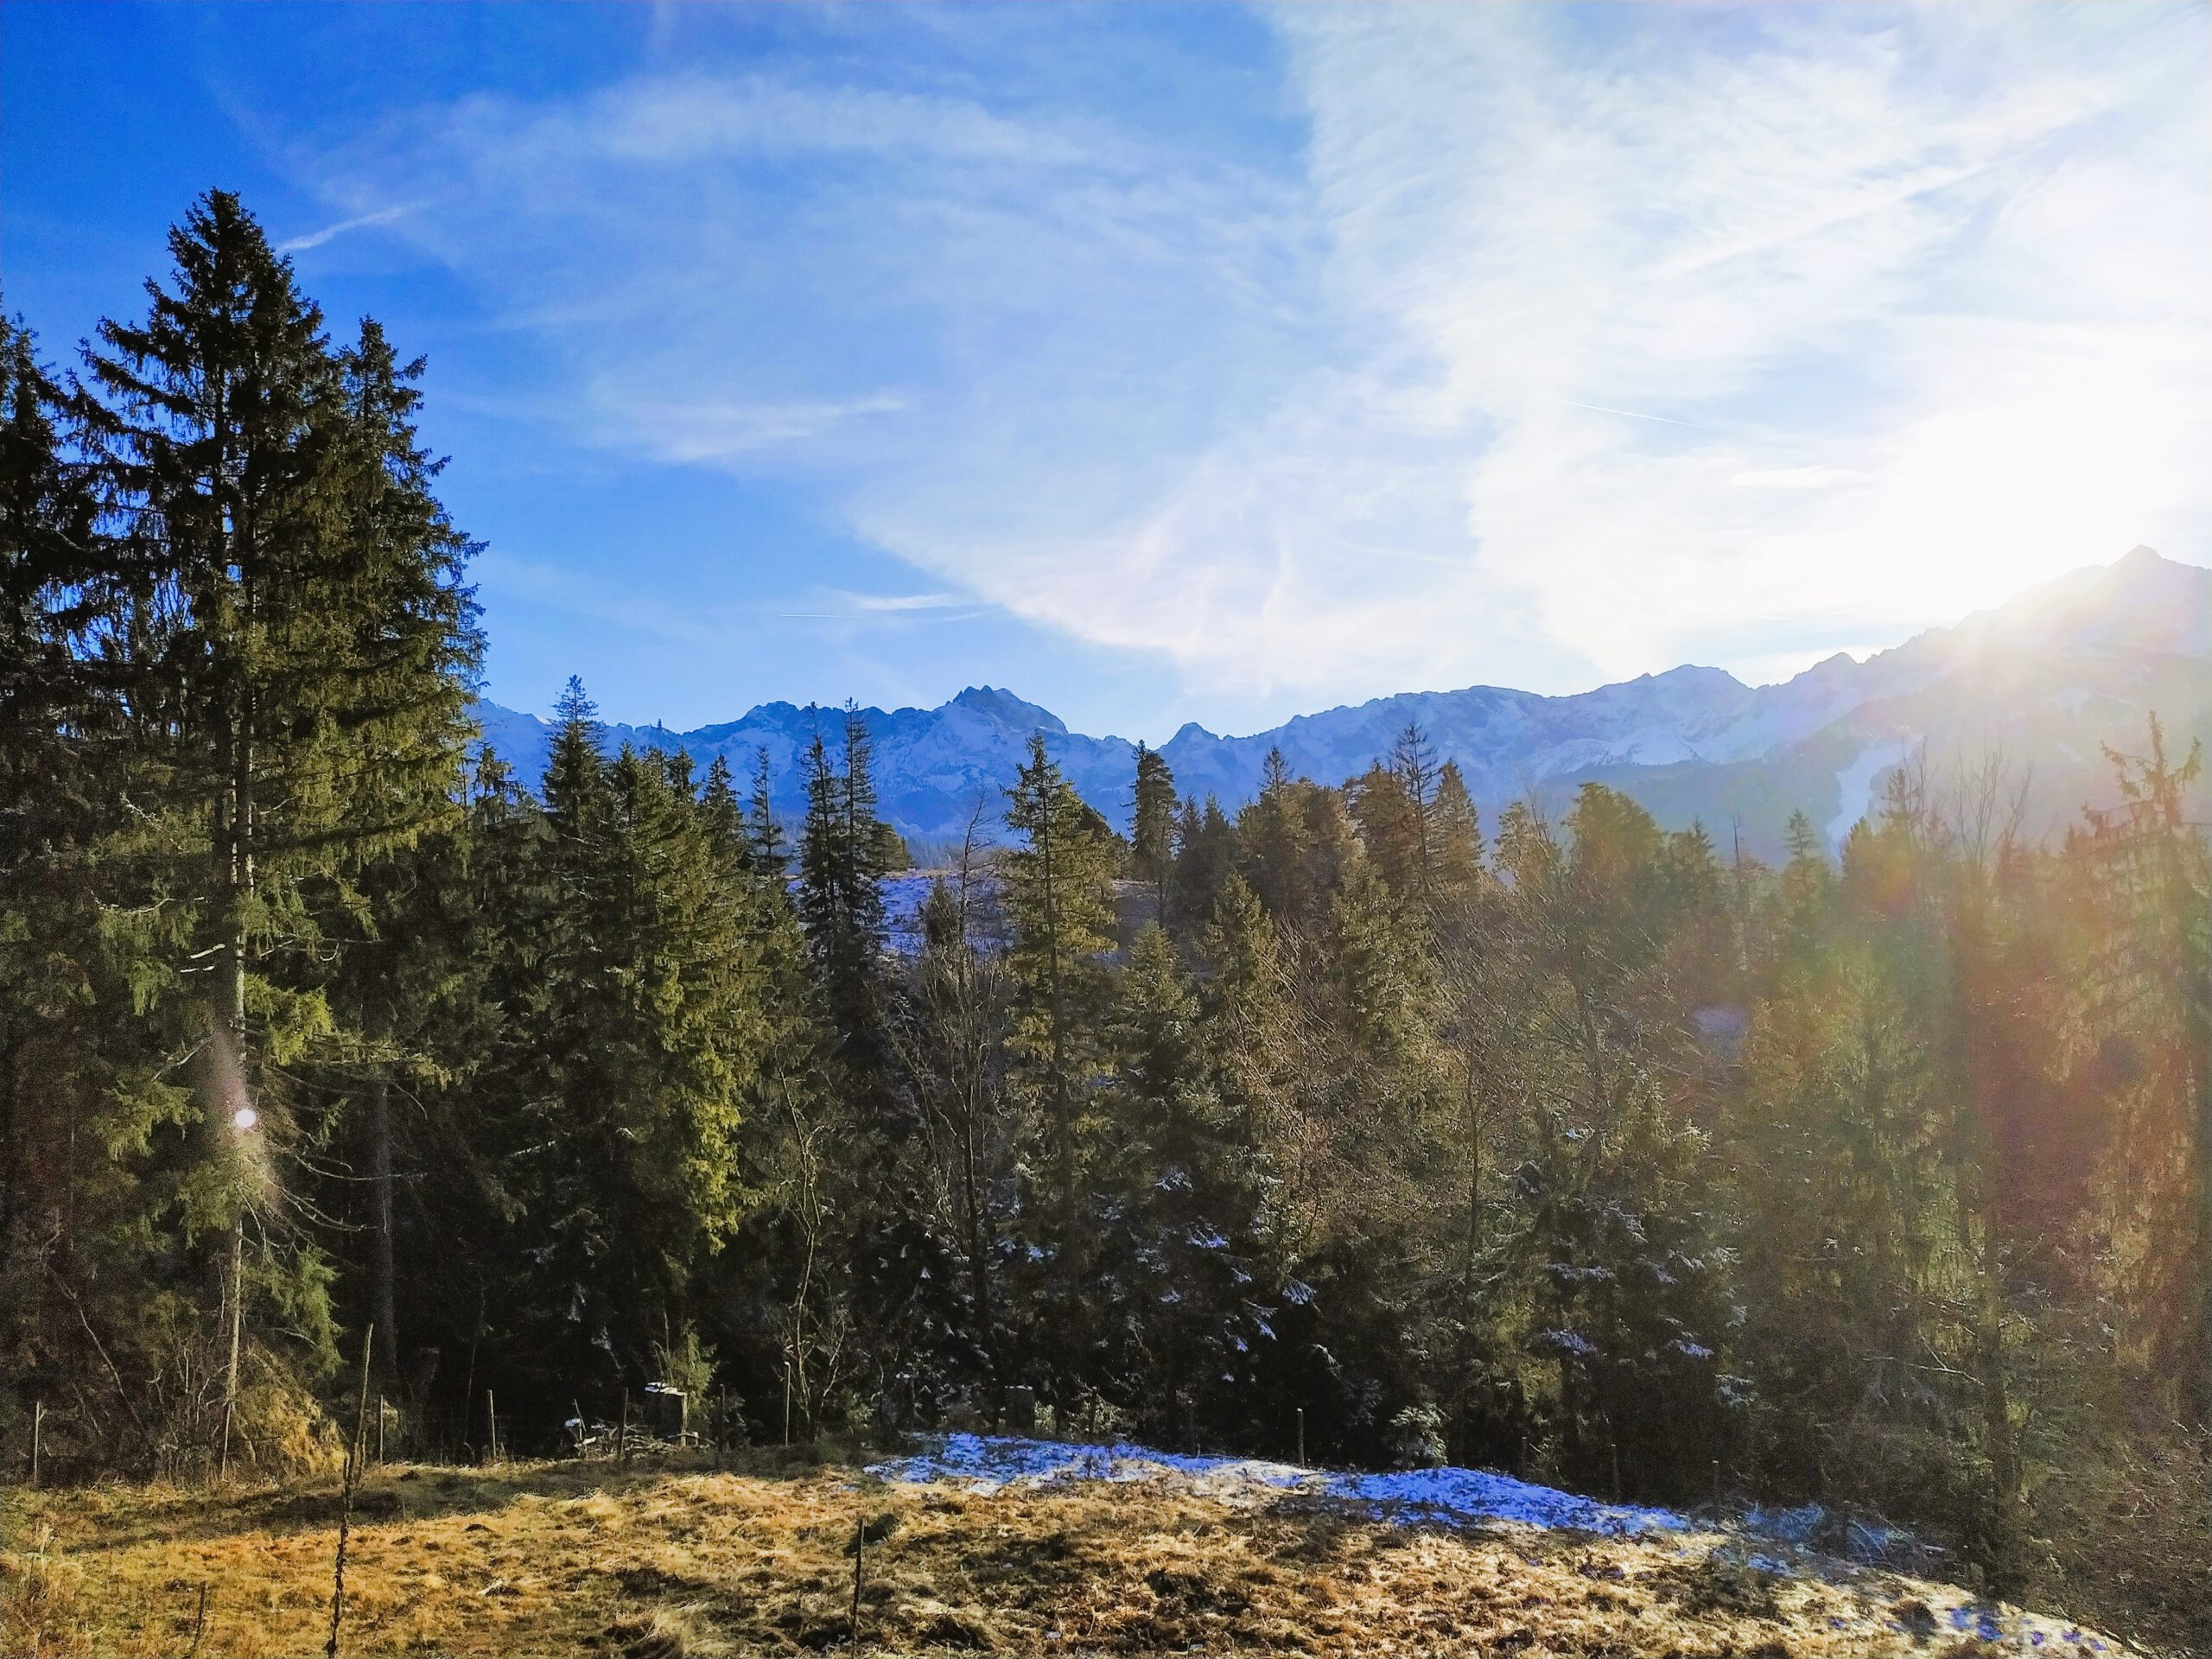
[[671, 1560]]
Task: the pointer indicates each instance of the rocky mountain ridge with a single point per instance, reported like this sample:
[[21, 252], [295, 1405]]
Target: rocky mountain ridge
[[2043, 680]]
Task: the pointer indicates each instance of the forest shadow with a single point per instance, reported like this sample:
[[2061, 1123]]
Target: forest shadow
[[402, 1494], [1328, 1531]]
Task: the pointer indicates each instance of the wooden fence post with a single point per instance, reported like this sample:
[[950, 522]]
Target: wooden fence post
[[1302, 1437], [622, 1429], [353, 1455], [491, 1423], [860, 1549], [38, 1433]]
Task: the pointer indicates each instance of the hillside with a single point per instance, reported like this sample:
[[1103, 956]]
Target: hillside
[[2045, 680], [1007, 1554]]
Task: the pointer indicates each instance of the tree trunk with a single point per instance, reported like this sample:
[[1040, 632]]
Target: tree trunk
[[1999, 1543], [974, 1200], [387, 1300]]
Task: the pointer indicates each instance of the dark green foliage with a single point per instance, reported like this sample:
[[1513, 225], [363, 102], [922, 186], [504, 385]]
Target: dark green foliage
[[1205, 855], [273, 646], [1057, 881], [843, 858], [1152, 832], [1176, 1242], [1629, 1289]]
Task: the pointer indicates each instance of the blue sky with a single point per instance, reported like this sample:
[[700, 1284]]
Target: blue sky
[[1213, 363]]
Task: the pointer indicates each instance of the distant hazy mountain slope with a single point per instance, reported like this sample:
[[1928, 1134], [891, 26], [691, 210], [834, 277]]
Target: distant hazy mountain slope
[[2044, 679]]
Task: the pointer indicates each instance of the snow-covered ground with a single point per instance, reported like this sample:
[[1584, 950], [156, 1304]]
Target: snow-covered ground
[[1457, 1495], [1805, 1542], [1855, 785]]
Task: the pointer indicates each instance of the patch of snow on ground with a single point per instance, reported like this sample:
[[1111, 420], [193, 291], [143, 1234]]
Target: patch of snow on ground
[[1855, 783], [1834, 1532], [1472, 1494], [1455, 1496], [1781, 1542]]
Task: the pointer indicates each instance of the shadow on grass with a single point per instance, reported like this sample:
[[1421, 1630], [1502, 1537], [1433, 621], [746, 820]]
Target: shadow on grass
[[1327, 1531], [391, 1494]]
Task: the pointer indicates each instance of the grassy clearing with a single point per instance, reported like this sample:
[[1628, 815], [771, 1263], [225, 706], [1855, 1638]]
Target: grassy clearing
[[662, 1562]]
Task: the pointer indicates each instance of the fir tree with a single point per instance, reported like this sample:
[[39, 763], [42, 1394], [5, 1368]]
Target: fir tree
[[1205, 856], [1172, 1256], [1455, 842], [2150, 988], [97, 1150], [1151, 838], [1389, 830], [1272, 844], [764, 834], [307, 669], [1060, 901], [841, 864]]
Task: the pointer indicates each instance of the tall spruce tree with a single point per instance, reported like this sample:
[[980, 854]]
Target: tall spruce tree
[[652, 1045], [96, 1150], [764, 831], [841, 865], [412, 668], [1059, 903], [1272, 844], [1455, 838], [1205, 857], [58, 575], [2150, 989], [1176, 1244], [1402, 844], [1152, 829], [305, 683]]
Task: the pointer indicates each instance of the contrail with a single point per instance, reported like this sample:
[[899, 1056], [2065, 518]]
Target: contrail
[[1664, 419], [316, 239]]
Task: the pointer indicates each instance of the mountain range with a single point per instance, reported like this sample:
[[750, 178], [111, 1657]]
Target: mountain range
[[2044, 681]]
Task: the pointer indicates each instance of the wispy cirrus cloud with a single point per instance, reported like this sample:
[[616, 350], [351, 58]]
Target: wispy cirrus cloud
[[1803, 231], [359, 222], [720, 430], [899, 602], [1560, 344], [603, 597]]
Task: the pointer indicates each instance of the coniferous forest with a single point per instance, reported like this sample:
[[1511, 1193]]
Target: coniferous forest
[[1574, 1148]]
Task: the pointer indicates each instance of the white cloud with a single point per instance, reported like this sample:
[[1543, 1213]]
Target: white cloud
[[1674, 341], [1795, 478], [1570, 344], [1791, 242]]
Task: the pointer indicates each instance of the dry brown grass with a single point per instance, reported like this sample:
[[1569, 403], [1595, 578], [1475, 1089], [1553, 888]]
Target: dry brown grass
[[672, 1561]]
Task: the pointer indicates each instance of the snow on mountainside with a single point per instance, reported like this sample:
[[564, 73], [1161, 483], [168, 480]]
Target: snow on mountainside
[[2045, 679]]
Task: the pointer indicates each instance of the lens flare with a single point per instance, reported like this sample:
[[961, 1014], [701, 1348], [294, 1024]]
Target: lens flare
[[245, 1118]]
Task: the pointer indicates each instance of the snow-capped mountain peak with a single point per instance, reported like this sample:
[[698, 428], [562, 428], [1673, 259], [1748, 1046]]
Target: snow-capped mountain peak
[[2114, 642]]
